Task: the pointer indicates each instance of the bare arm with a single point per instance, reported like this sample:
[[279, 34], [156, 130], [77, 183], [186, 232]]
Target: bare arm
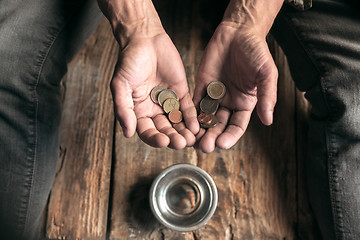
[[148, 58], [257, 15], [131, 18], [238, 55]]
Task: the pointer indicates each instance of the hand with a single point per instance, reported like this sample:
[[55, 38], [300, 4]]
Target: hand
[[240, 58], [148, 59], [144, 63]]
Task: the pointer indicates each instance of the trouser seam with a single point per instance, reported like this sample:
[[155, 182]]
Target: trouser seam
[[333, 181], [34, 122], [41, 62]]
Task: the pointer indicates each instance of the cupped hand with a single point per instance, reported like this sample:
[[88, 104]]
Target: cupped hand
[[239, 58], [143, 64]]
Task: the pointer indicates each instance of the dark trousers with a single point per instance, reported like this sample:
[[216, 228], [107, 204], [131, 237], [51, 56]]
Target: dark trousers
[[322, 45], [38, 38]]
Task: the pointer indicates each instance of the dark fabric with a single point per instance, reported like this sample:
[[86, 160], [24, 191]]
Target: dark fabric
[[323, 49], [37, 39]]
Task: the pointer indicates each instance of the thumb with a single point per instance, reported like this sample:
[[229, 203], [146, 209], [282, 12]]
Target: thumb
[[266, 92], [124, 106]]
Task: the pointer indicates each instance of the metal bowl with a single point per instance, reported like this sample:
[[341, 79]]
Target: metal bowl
[[183, 197]]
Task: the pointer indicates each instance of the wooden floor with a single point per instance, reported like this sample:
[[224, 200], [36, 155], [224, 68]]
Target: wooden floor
[[102, 181]]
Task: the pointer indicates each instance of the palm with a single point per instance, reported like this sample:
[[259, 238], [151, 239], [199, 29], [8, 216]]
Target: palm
[[243, 63], [144, 64]]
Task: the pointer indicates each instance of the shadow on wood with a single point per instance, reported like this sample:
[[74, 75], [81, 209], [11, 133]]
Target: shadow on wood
[[260, 180], [139, 212]]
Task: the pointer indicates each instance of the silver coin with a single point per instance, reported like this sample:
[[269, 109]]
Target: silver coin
[[209, 105], [155, 93], [166, 94], [216, 90]]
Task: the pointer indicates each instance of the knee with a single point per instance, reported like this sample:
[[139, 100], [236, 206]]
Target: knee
[[336, 101]]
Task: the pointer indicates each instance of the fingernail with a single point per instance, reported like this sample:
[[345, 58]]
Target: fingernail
[[269, 116]]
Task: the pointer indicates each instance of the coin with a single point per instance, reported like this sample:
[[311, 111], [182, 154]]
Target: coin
[[165, 94], [209, 105], [155, 93], [175, 116], [171, 104], [216, 90], [183, 198], [212, 123], [205, 118]]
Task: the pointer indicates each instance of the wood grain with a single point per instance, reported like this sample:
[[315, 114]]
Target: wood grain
[[79, 198], [101, 188], [257, 179]]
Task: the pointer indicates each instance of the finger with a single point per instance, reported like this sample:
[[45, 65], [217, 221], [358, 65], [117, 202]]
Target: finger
[[189, 114], [123, 106], [199, 92], [208, 71], [150, 135], [177, 141], [266, 93], [198, 137], [235, 129], [207, 142], [186, 133]]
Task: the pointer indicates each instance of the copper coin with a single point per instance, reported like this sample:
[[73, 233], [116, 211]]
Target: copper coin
[[175, 116], [155, 93], [209, 105], [166, 94], [205, 118], [171, 104], [216, 90], [183, 197], [213, 122]]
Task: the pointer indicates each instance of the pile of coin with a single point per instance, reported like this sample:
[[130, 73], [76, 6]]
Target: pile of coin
[[210, 103], [168, 100]]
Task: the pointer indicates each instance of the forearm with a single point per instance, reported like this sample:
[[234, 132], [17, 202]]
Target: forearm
[[257, 15], [131, 18]]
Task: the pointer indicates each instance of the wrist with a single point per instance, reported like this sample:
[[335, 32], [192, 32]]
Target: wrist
[[253, 15], [131, 19], [146, 28]]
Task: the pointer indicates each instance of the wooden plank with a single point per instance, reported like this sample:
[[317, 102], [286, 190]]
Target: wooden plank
[[78, 203], [256, 179], [135, 165], [306, 227]]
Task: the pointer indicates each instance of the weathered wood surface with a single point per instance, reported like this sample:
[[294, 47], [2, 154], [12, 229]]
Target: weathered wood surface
[[262, 194], [258, 179]]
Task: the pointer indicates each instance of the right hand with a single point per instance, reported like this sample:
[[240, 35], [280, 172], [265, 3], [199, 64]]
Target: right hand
[[143, 64]]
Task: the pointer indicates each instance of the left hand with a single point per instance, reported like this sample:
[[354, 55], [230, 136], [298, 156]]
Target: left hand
[[240, 58]]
